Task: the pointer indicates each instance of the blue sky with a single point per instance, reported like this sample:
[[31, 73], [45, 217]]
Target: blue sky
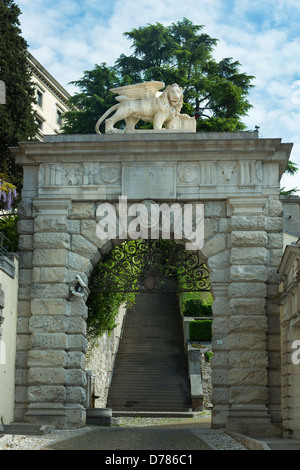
[[71, 36]]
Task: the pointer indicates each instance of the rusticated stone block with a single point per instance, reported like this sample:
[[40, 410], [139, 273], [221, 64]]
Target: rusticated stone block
[[210, 228], [50, 257], [50, 291], [249, 273], [239, 323], [25, 277], [275, 257], [25, 210], [75, 359], [56, 274], [76, 395], [215, 245], [49, 324], [220, 325], [49, 341], [25, 242], [51, 240], [25, 227], [22, 325], [23, 342], [49, 307], [275, 240], [249, 395], [274, 224], [83, 210], [83, 247], [220, 395], [51, 224], [215, 209], [250, 341], [250, 222], [248, 359], [78, 308], [247, 290], [75, 377], [47, 375], [247, 376], [48, 358], [252, 306], [219, 261], [249, 238], [79, 263], [25, 259], [77, 342], [246, 256], [275, 208], [76, 325], [47, 394], [220, 275], [219, 377], [220, 360]]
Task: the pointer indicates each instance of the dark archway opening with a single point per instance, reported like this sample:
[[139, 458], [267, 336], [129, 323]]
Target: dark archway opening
[[151, 368]]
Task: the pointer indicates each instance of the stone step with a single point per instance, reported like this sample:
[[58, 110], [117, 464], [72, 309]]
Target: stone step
[[150, 371], [138, 409], [154, 414]]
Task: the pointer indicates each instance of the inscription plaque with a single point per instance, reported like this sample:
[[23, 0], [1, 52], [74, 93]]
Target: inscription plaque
[[143, 180]]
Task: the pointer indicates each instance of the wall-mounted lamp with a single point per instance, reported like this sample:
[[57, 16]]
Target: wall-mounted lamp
[[80, 289]]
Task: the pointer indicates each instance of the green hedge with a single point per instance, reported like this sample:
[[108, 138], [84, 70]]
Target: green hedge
[[200, 330], [196, 308]]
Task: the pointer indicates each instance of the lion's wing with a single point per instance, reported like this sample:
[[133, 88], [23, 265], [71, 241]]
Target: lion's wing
[[138, 91]]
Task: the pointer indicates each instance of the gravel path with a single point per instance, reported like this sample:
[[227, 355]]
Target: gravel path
[[198, 425]]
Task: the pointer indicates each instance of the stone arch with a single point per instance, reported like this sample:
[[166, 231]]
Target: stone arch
[[243, 246]]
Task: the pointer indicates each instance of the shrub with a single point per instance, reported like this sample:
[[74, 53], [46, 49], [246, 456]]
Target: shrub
[[200, 330], [196, 308]]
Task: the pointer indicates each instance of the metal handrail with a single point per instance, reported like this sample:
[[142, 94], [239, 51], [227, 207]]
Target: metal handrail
[[6, 246]]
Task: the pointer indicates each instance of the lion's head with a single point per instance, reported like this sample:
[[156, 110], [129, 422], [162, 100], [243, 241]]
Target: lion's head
[[173, 97]]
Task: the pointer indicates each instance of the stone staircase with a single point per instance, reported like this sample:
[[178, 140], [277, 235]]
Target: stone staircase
[[151, 371]]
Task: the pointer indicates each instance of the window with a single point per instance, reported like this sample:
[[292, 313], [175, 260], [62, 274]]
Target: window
[[39, 123], [59, 117], [39, 98]]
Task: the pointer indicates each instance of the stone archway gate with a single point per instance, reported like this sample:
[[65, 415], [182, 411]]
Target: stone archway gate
[[235, 175]]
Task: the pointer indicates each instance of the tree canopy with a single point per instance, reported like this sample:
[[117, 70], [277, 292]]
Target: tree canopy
[[214, 92]]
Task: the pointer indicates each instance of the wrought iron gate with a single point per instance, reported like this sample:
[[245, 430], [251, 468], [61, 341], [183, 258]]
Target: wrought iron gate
[[150, 266]]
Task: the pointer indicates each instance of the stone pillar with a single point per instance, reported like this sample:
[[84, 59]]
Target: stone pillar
[[50, 359], [247, 340], [219, 362], [25, 230]]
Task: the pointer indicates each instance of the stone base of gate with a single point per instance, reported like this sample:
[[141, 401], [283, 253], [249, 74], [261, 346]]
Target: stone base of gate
[[253, 422], [55, 414]]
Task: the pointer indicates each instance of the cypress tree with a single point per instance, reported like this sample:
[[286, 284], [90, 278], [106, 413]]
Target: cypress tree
[[17, 121]]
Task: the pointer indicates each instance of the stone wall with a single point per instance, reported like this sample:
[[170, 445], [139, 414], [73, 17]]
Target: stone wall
[[100, 359]]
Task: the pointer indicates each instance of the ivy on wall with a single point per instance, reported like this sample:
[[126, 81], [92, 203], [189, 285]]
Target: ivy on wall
[[103, 307]]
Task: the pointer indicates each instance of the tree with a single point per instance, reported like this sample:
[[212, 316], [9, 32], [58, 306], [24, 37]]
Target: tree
[[17, 122], [291, 169], [215, 92], [92, 101]]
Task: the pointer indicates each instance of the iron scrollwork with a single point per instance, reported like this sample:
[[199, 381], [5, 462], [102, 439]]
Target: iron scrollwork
[[150, 266]]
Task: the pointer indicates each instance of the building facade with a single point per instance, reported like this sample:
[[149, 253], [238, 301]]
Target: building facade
[[51, 99]]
